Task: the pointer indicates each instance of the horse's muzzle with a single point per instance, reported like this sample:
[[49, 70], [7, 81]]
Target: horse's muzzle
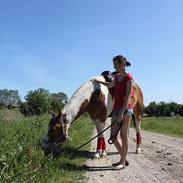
[[50, 148]]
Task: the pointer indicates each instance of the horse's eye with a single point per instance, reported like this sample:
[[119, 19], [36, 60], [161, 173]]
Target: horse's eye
[[58, 125]]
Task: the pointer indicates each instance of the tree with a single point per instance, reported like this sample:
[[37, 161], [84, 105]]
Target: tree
[[164, 109], [180, 111], [41, 101], [151, 109], [38, 101], [9, 98], [25, 109], [174, 107], [58, 100]]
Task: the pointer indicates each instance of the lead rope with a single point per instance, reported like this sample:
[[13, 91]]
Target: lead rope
[[110, 141]]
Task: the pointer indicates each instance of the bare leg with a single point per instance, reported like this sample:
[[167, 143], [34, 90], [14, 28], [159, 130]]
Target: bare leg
[[121, 144], [114, 130], [124, 137]]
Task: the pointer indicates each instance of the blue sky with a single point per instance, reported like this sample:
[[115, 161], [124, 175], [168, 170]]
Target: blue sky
[[58, 45]]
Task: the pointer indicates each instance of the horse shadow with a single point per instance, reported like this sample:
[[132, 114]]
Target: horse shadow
[[70, 153], [74, 167], [74, 154]]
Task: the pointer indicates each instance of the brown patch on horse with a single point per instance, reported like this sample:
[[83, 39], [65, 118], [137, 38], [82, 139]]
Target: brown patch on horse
[[139, 104], [133, 99], [97, 101], [82, 108]]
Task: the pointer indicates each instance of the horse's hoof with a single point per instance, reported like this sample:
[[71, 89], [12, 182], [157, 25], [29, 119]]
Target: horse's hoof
[[138, 150], [97, 155], [103, 154]]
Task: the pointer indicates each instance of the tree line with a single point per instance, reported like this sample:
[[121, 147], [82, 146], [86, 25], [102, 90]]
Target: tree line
[[42, 101], [36, 101], [164, 109]]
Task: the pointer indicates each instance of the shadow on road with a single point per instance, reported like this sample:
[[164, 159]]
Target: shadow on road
[[74, 167]]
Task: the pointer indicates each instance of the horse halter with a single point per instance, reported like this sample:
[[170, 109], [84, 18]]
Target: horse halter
[[58, 141], [63, 134]]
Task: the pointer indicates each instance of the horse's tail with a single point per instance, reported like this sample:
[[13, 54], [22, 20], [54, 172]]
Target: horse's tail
[[141, 99], [134, 120], [138, 108]]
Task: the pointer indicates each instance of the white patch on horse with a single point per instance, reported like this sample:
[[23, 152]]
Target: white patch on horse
[[83, 93], [108, 97], [108, 100], [99, 125]]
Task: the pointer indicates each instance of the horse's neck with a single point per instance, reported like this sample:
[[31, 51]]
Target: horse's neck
[[77, 104], [72, 112]]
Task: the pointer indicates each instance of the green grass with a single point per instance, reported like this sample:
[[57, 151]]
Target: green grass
[[22, 160], [166, 125], [7, 115]]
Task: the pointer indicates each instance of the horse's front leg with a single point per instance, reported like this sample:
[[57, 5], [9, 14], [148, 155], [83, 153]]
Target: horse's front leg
[[101, 145]]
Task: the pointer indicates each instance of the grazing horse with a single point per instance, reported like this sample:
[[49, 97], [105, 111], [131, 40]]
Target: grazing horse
[[97, 100]]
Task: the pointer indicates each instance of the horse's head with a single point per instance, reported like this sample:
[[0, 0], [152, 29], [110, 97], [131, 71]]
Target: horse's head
[[108, 75], [56, 134]]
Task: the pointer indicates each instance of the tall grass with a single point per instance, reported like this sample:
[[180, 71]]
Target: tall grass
[[7, 115], [22, 160], [166, 125]]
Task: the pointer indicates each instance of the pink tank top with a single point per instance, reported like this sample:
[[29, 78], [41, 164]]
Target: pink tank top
[[120, 91]]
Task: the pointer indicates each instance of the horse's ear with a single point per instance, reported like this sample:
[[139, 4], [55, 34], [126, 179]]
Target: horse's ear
[[53, 114]]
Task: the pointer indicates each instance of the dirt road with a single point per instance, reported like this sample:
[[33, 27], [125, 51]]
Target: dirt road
[[161, 160]]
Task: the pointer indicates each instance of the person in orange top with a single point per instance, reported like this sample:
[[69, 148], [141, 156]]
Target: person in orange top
[[123, 83]]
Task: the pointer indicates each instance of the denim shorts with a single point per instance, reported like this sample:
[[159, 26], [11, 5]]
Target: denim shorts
[[129, 112]]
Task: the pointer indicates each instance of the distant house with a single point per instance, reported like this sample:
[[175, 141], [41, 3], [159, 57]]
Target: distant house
[[145, 115], [172, 114]]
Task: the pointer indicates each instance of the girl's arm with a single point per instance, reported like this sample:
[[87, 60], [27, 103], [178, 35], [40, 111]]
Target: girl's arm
[[107, 84]]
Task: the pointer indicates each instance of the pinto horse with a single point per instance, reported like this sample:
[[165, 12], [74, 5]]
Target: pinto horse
[[97, 100]]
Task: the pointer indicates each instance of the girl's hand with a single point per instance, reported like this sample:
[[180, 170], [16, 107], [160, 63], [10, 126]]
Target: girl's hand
[[96, 80], [119, 117]]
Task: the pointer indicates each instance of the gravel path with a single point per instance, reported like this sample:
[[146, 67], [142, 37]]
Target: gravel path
[[161, 160]]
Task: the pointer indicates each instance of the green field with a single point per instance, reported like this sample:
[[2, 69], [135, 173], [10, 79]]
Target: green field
[[21, 158], [167, 125]]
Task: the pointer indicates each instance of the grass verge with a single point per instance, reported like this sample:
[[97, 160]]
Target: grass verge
[[21, 159], [166, 125]]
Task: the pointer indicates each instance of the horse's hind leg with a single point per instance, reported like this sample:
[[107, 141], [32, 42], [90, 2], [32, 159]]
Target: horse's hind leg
[[101, 145], [138, 134]]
